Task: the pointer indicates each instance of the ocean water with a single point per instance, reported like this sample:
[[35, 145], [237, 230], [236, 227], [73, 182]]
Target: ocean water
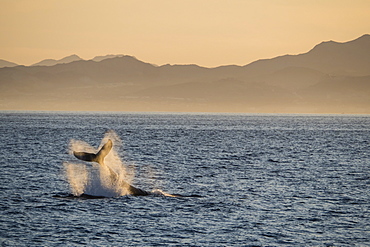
[[260, 180]]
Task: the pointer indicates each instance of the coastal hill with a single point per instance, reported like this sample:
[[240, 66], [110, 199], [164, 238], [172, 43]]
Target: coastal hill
[[51, 62], [4, 63], [332, 77]]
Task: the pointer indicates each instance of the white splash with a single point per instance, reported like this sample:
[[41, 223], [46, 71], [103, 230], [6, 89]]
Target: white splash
[[94, 179]]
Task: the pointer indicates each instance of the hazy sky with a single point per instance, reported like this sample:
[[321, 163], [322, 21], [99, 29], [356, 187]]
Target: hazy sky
[[205, 32]]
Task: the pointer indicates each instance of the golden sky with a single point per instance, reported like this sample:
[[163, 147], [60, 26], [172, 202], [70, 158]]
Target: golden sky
[[204, 32]]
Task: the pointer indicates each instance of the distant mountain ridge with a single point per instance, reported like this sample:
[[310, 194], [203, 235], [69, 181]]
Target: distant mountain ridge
[[331, 77], [351, 57], [4, 63], [52, 62], [101, 58]]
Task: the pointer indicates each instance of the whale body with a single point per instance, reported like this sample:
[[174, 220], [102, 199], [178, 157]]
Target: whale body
[[99, 158]]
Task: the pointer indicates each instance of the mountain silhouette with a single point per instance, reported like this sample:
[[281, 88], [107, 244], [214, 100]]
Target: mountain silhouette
[[52, 62], [349, 58], [101, 58], [4, 63], [330, 78]]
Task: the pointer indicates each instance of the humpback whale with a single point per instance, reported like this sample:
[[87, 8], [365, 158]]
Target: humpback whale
[[115, 180], [99, 158]]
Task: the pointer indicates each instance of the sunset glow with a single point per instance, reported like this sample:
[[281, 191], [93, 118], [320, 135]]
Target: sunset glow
[[207, 33]]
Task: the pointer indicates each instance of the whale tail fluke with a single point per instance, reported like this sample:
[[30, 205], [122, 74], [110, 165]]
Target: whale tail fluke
[[98, 157]]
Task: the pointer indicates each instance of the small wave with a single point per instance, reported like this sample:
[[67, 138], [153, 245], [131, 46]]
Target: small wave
[[162, 193], [82, 196]]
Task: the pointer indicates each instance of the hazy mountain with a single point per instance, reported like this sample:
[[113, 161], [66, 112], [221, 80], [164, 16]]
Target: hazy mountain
[[294, 78], [349, 58], [52, 62], [331, 77], [101, 58], [4, 63]]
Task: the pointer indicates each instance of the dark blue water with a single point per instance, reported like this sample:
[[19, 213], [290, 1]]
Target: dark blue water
[[264, 180]]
